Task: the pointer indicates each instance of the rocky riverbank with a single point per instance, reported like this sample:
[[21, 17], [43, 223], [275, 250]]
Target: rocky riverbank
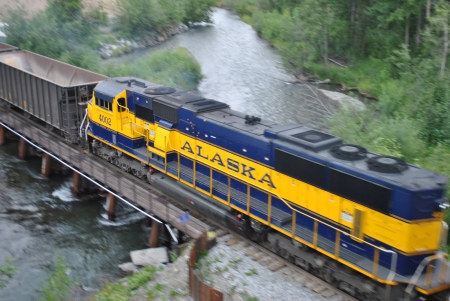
[[153, 38]]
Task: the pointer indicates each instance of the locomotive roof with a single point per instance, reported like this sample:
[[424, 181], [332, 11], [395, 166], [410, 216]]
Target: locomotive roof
[[296, 138]]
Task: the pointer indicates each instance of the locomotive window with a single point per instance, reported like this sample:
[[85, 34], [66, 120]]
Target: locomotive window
[[300, 168], [359, 190], [103, 104], [121, 105]]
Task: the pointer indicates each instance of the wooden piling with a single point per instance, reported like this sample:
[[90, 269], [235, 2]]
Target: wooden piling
[[154, 234], [2, 135], [111, 205], [46, 166], [22, 148], [76, 183]]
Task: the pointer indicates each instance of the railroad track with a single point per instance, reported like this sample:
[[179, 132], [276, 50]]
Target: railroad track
[[266, 258]]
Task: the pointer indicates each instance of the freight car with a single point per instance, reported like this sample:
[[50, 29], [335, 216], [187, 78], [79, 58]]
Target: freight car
[[370, 224], [51, 91]]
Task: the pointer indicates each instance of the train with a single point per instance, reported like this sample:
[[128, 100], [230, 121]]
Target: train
[[370, 224]]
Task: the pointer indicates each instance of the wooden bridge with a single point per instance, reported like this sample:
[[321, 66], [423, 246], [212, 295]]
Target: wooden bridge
[[137, 193]]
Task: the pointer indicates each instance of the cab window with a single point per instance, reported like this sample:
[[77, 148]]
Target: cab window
[[103, 104]]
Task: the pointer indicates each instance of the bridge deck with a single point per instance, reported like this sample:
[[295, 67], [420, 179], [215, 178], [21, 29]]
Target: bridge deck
[[124, 184]]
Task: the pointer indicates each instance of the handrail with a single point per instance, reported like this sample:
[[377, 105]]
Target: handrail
[[394, 255], [82, 123], [419, 271]]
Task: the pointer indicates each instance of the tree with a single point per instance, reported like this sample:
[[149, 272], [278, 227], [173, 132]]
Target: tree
[[65, 10], [317, 19], [439, 33], [198, 10]]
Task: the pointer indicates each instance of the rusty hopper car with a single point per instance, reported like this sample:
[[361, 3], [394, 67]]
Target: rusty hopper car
[[54, 92]]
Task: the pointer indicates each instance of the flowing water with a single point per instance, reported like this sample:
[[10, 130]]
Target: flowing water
[[39, 218]]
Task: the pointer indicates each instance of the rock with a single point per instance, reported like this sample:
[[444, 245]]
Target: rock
[[342, 99], [149, 257], [128, 267]]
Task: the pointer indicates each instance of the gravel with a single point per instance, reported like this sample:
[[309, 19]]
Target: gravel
[[241, 278], [237, 276]]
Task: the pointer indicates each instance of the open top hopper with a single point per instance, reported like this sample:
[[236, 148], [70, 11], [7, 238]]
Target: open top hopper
[[6, 47], [52, 91]]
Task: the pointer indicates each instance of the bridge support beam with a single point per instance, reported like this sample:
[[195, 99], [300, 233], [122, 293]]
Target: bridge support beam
[[154, 234], [76, 184], [2, 135], [111, 207], [22, 148], [46, 166]]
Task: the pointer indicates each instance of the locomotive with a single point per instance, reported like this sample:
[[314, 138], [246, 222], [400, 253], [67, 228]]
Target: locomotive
[[370, 224]]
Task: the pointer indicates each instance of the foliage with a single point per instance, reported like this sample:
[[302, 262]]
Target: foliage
[[155, 292], [137, 280], [58, 284], [7, 270], [60, 29], [141, 16], [198, 10], [120, 292], [174, 68], [138, 16], [113, 292]]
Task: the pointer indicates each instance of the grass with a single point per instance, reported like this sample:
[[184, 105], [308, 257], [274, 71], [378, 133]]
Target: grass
[[6, 269], [121, 292], [141, 278], [251, 272], [155, 292]]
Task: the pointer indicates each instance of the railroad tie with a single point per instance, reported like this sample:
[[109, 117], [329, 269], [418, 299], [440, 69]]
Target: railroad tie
[[240, 246], [221, 233], [300, 278], [319, 289], [310, 284], [232, 241], [251, 252], [258, 256], [288, 271], [277, 266], [265, 262], [328, 293]]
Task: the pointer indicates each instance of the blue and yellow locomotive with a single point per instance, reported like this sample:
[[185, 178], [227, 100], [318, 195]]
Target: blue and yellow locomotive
[[371, 224]]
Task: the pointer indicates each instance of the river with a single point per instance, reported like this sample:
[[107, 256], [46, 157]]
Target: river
[[42, 219]]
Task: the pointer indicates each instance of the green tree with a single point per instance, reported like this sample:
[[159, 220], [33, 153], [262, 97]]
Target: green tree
[[65, 10], [198, 10], [138, 16]]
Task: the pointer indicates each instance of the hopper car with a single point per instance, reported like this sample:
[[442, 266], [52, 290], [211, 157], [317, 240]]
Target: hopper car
[[370, 224]]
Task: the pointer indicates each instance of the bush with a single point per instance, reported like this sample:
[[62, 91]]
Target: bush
[[174, 68], [58, 284], [139, 16]]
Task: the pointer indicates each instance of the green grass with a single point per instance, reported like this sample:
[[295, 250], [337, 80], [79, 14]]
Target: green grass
[[141, 278]]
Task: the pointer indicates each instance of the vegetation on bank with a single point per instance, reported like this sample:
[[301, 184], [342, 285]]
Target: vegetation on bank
[[140, 16], [68, 32], [395, 51], [7, 270]]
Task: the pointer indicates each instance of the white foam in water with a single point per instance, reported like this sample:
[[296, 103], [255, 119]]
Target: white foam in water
[[63, 193], [121, 220]]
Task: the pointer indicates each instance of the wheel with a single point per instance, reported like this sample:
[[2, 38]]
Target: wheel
[[328, 274]]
